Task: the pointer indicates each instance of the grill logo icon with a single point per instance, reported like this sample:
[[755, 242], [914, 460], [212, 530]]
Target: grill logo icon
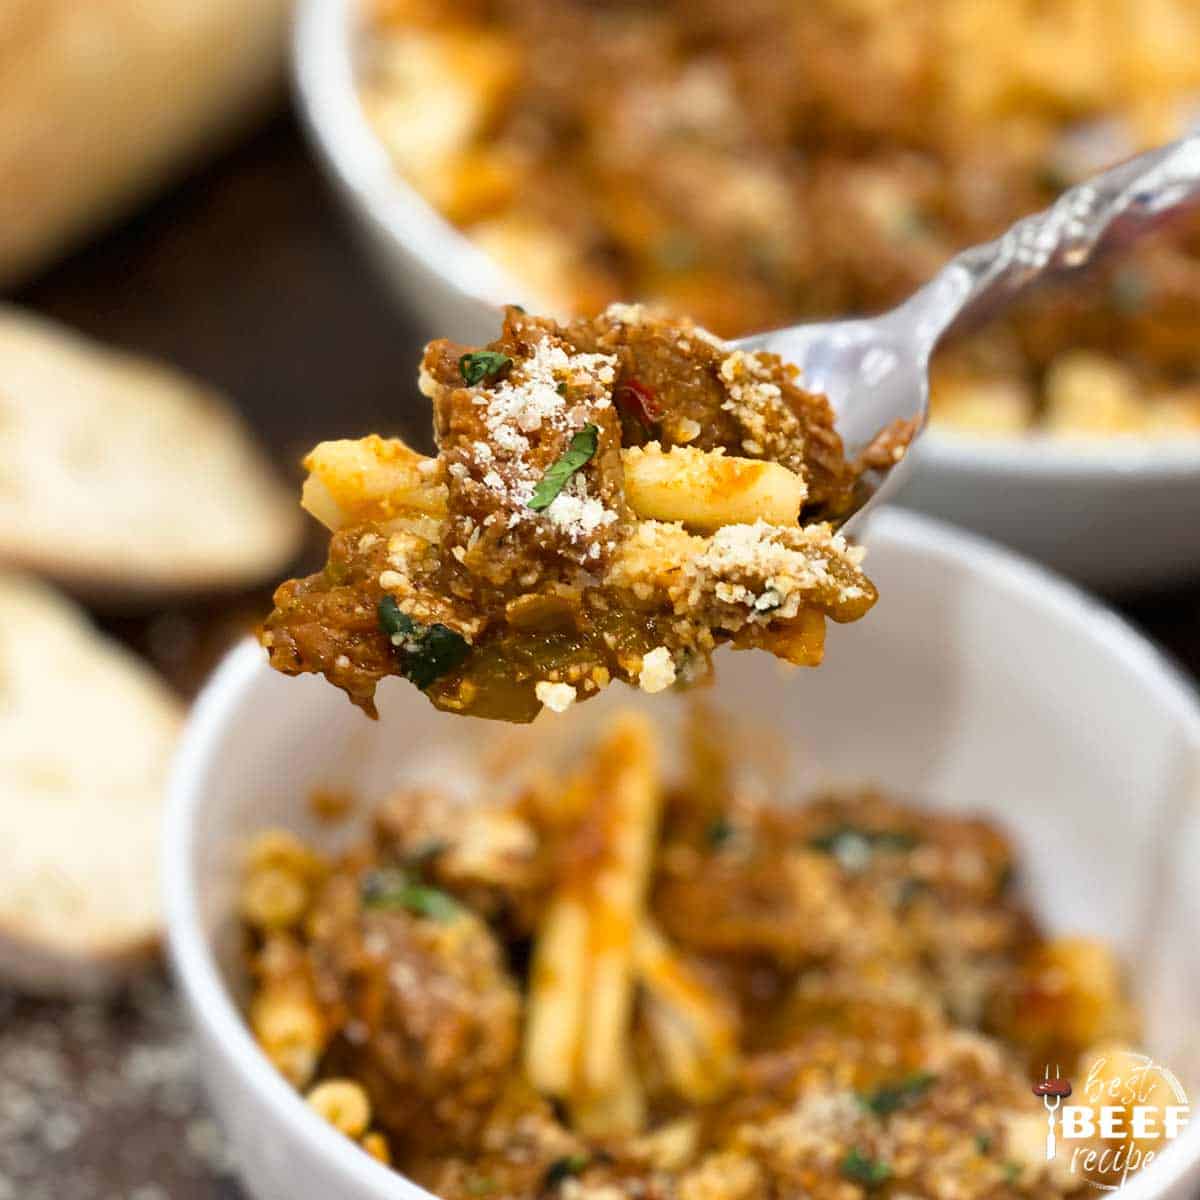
[[1053, 1092]]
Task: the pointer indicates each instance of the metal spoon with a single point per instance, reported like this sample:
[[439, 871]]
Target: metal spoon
[[876, 370]]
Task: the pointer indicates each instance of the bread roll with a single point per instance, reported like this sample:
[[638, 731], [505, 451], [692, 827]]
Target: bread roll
[[102, 100], [86, 736], [123, 478]]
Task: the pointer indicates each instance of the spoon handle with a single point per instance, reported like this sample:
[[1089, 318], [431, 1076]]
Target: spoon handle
[[1113, 207]]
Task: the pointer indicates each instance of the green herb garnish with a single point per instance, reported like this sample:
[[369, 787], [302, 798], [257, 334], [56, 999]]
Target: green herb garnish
[[394, 889], [581, 451], [719, 832], [1052, 177], [909, 890], [870, 1172], [891, 1097], [1012, 1171], [427, 652], [483, 364], [563, 1168], [561, 389], [983, 1142], [481, 1185]]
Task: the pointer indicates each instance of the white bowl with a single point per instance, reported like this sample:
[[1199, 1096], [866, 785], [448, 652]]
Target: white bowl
[[1113, 513], [978, 682]]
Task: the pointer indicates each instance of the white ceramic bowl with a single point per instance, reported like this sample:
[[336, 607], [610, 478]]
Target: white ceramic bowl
[[1118, 514], [978, 682]]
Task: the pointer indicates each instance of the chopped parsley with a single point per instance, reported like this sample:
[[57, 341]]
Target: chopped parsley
[[983, 1142], [1052, 177], [909, 890], [394, 889], [870, 1172], [483, 364], [427, 652], [580, 452], [564, 1168], [1012, 1171], [891, 1097], [719, 832]]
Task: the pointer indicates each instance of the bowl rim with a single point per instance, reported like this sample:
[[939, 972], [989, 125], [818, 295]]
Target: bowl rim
[[324, 74], [212, 1006]]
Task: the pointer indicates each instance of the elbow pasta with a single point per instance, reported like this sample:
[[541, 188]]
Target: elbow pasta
[[278, 881], [344, 1104], [288, 1023]]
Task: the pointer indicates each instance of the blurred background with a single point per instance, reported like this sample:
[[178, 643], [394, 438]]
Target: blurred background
[[159, 199]]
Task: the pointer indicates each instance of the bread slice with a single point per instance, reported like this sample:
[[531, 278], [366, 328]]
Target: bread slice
[[102, 102], [86, 737], [121, 476]]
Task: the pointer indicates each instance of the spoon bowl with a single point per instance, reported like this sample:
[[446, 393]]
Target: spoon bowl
[[875, 371], [873, 375]]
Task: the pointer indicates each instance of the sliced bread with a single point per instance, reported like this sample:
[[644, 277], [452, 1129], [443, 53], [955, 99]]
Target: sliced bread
[[121, 475], [86, 736]]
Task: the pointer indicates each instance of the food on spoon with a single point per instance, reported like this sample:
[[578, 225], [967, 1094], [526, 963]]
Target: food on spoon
[[603, 977], [612, 499]]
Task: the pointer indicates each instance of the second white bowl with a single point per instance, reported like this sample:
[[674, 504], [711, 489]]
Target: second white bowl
[[1122, 514]]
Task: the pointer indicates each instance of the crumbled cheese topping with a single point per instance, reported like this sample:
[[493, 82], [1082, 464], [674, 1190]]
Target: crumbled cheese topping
[[557, 697], [769, 426], [770, 570], [534, 398], [579, 514], [530, 397], [658, 670], [627, 314]]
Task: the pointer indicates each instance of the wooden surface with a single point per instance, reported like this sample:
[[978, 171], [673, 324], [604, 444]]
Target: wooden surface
[[247, 276]]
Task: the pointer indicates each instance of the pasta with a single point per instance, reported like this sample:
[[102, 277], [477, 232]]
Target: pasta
[[603, 977], [583, 974], [754, 165]]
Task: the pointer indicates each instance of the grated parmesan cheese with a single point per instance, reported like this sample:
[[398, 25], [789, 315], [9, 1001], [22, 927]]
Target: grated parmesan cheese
[[557, 697], [658, 670]]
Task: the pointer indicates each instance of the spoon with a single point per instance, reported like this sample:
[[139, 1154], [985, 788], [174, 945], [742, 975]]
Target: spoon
[[876, 370]]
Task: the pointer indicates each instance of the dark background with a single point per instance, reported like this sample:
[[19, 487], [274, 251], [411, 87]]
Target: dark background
[[247, 277]]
